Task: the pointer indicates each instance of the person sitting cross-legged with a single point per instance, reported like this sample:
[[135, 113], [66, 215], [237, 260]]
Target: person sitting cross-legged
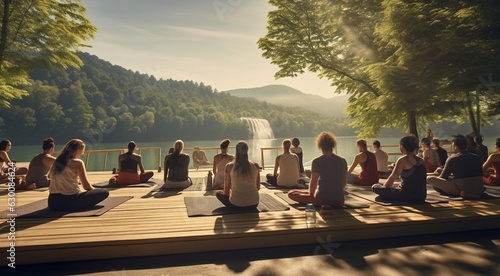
[[411, 168], [199, 158], [368, 162], [491, 167], [127, 168], [289, 168], [467, 171], [328, 177]]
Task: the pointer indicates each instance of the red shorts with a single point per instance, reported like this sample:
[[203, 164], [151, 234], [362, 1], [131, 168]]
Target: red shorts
[[127, 178]]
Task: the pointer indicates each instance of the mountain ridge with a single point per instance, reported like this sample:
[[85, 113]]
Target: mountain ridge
[[291, 97]]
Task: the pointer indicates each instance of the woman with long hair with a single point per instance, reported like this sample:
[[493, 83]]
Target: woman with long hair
[[328, 177], [65, 174], [220, 162], [177, 168], [413, 174], [241, 181], [128, 163]]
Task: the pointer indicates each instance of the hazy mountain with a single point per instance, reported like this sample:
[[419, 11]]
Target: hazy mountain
[[287, 96]]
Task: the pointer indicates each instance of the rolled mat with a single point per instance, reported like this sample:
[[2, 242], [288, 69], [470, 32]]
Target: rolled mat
[[349, 202], [39, 209], [211, 206]]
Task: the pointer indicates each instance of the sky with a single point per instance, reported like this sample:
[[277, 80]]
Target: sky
[[209, 41]]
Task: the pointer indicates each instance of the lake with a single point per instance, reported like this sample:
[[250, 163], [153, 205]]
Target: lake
[[346, 148]]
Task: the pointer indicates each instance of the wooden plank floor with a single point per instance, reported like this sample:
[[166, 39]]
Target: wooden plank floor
[[153, 225]]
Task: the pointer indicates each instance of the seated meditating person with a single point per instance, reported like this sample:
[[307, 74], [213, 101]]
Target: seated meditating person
[[430, 156], [491, 167], [298, 151], [382, 160], [466, 169], [368, 163], [288, 165], [39, 166], [442, 153], [65, 175], [127, 168], [241, 182], [328, 176], [177, 168], [220, 162], [481, 149], [411, 168], [10, 166], [199, 158]]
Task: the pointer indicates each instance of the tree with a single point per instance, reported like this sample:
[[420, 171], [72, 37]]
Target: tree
[[38, 32], [394, 58]]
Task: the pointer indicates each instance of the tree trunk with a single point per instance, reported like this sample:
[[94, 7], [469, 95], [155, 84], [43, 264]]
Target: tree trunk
[[3, 35], [472, 119], [412, 123]]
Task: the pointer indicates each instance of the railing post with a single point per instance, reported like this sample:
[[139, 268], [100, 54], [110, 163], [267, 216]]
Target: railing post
[[105, 161], [262, 158]]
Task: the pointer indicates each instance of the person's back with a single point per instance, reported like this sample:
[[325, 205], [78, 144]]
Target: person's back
[[382, 160], [66, 182], [332, 173], [178, 166], [128, 163], [442, 154], [463, 165], [413, 181], [298, 151], [37, 171], [369, 172], [221, 165], [243, 189], [289, 170]]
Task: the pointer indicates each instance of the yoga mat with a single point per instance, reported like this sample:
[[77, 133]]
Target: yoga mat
[[373, 197], [211, 206], [489, 194], [276, 187], [151, 182], [39, 209], [198, 185], [350, 202]]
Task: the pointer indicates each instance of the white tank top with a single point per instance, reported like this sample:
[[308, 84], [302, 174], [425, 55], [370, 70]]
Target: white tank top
[[289, 170], [65, 182], [244, 188]]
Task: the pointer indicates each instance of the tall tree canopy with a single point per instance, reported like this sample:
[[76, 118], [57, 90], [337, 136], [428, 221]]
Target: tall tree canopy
[[399, 60], [35, 32]]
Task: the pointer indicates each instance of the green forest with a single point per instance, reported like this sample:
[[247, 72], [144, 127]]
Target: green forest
[[101, 102]]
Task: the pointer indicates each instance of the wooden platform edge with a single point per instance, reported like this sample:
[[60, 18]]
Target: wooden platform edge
[[234, 241]]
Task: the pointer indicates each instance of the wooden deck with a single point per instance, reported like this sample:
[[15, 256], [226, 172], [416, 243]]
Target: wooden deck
[[153, 225]]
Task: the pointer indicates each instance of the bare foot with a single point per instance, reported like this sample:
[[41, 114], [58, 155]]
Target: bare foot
[[466, 195]]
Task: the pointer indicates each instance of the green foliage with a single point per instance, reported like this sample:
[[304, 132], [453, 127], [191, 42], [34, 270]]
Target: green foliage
[[102, 102], [398, 60], [35, 33]]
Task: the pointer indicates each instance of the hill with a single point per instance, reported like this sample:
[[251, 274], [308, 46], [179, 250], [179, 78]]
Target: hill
[[288, 96], [102, 102]]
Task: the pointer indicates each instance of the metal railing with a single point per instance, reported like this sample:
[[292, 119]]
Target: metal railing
[[119, 151]]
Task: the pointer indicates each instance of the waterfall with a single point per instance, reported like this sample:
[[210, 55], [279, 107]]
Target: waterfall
[[260, 128]]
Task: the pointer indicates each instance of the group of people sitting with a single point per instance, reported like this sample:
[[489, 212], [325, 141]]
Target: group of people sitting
[[464, 173]]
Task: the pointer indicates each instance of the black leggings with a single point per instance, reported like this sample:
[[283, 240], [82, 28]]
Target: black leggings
[[393, 194], [225, 200], [81, 201]]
